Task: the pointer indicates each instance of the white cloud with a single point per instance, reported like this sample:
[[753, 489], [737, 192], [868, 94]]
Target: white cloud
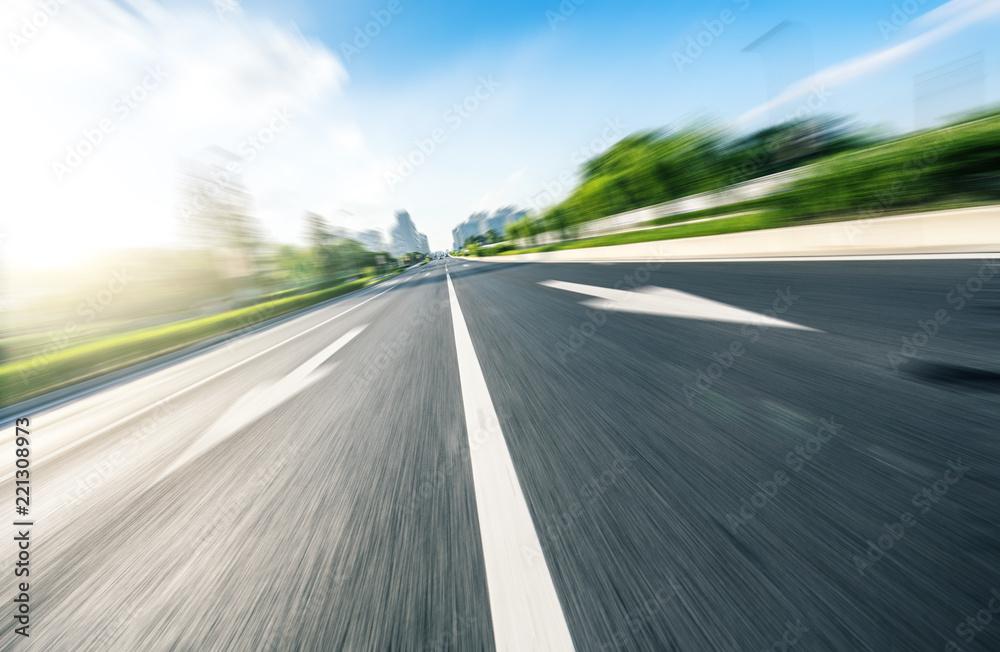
[[224, 80]]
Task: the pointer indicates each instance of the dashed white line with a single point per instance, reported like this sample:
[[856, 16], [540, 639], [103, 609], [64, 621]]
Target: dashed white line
[[523, 600]]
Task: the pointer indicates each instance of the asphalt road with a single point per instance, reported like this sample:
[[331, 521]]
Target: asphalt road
[[482, 456]]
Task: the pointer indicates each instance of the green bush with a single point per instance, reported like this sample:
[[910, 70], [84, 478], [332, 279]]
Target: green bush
[[949, 167], [853, 174], [35, 375]]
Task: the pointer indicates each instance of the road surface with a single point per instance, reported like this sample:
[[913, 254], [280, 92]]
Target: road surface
[[474, 456]]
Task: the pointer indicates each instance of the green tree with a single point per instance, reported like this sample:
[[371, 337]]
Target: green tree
[[335, 257]]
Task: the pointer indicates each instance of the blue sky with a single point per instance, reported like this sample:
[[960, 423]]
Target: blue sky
[[556, 82], [607, 57], [565, 73]]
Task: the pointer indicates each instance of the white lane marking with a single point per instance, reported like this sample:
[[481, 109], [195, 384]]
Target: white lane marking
[[651, 300], [259, 401], [126, 419], [523, 600], [817, 258], [837, 258]]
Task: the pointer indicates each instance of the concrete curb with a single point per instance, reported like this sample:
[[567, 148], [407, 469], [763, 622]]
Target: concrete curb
[[967, 230]]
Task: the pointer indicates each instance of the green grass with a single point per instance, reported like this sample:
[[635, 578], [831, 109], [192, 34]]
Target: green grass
[[749, 206], [27, 377], [734, 224]]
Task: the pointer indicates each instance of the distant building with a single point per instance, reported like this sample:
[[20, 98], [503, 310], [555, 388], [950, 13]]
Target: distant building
[[483, 222], [405, 237], [372, 240], [462, 232]]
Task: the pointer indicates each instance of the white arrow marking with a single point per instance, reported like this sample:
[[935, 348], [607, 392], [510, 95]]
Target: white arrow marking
[[651, 300], [260, 400]]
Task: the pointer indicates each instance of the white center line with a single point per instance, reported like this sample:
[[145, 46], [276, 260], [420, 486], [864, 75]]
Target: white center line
[[523, 600]]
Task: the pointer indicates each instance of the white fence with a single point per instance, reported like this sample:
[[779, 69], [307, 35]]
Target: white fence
[[629, 220]]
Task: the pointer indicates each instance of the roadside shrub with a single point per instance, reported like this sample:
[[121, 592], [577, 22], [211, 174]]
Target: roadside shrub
[[34, 375]]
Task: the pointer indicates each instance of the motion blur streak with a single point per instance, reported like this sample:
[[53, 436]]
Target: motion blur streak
[[532, 325], [766, 507]]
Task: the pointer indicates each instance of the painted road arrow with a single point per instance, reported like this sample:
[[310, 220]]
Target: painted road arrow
[[261, 400], [651, 300]]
